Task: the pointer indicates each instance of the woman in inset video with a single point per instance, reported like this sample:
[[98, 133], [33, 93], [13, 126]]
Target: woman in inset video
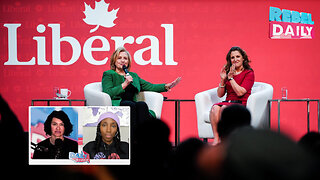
[[57, 146], [107, 144]]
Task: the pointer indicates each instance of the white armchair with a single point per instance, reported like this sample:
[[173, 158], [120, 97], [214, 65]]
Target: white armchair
[[257, 104], [95, 97]]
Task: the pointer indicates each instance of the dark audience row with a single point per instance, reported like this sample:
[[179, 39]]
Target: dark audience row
[[244, 153]]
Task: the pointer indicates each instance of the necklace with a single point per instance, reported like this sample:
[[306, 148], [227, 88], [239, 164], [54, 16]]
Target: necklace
[[238, 72]]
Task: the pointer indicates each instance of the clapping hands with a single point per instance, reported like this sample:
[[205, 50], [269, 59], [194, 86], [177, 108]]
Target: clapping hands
[[223, 73], [232, 71]]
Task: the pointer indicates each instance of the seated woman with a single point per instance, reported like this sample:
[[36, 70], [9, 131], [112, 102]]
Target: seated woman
[[123, 87], [108, 144], [237, 78], [57, 125]]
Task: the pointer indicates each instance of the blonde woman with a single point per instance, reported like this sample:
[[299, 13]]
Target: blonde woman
[[123, 88]]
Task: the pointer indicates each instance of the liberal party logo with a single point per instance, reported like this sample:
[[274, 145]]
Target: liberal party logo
[[100, 16], [287, 24]]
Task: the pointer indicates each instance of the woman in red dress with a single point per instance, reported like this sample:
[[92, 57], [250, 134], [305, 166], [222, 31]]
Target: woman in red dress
[[237, 79]]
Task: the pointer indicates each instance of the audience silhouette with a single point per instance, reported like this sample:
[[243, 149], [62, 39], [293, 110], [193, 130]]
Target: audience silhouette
[[311, 142], [233, 117], [244, 153]]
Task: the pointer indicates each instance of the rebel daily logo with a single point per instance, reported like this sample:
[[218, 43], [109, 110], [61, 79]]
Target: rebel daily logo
[[288, 24]]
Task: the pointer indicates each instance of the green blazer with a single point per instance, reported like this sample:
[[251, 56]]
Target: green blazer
[[111, 84]]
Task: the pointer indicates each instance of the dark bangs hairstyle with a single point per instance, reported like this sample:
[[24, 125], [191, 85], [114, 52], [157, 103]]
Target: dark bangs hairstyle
[[63, 117], [246, 60]]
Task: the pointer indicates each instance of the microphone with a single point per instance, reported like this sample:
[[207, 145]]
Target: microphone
[[125, 69]]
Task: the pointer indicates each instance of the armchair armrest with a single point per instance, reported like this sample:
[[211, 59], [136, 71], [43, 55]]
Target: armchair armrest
[[154, 101], [94, 95], [204, 101], [258, 103]]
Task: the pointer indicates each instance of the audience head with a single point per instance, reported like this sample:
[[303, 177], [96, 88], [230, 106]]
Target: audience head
[[153, 134], [262, 154], [233, 117], [151, 150], [311, 142], [186, 157]]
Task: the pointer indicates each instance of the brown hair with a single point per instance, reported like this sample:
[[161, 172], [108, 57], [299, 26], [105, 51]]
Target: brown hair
[[246, 60]]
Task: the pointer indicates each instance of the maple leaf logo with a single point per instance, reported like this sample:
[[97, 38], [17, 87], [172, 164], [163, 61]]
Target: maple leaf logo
[[100, 15]]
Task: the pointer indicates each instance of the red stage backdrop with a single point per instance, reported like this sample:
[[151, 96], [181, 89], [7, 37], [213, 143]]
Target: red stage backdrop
[[67, 44]]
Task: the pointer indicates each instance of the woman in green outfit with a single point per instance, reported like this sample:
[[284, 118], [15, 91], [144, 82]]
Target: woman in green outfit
[[123, 88]]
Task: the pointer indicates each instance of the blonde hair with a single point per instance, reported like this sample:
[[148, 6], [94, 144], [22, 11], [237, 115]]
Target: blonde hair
[[115, 56]]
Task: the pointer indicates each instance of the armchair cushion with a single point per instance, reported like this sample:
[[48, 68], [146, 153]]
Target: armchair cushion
[[95, 97]]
